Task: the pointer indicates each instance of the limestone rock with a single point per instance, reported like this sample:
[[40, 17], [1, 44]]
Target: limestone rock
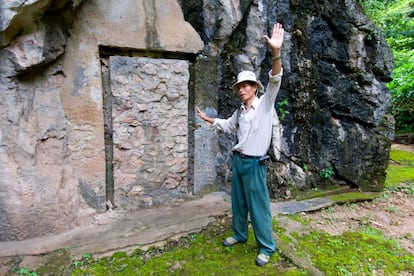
[[35, 31], [335, 64]]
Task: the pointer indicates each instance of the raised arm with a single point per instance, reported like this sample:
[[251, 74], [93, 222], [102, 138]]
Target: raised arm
[[275, 43]]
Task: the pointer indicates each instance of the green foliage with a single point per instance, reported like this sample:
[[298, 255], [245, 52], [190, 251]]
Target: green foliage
[[24, 271], [326, 173], [86, 260], [396, 20], [282, 112], [402, 90]]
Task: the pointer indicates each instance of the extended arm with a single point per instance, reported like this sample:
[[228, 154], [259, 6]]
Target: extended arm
[[203, 116], [226, 125]]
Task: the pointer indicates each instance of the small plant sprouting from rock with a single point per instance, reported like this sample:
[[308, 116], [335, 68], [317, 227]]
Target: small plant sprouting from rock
[[282, 112], [327, 173]]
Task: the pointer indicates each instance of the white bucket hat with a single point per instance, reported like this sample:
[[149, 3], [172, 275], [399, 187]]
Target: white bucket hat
[[247, 76]]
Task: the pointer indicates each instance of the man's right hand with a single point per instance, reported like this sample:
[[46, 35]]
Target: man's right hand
[[203, 116]]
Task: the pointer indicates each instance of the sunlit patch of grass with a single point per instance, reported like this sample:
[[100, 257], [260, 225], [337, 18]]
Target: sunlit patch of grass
[[402, 170], [367, 252], [402, 157], [399, 174]]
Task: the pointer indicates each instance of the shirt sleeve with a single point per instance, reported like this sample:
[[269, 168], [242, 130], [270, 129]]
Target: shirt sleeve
[[273, 88], [226, 125]]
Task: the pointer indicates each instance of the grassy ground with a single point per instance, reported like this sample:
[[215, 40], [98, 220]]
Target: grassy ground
[[366, 251]]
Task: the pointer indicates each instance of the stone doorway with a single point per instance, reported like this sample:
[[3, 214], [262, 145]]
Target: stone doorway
[[146, 130]]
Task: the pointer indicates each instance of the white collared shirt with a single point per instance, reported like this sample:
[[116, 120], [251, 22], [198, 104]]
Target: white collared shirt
[[254, 129]]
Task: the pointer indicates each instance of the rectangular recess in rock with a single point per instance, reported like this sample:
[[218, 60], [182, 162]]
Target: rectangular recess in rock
[[148, 103]]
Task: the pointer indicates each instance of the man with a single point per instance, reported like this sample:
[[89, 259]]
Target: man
[[253, 125]]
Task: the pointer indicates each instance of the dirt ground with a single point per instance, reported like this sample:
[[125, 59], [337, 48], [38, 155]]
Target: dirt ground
[[393, 214]]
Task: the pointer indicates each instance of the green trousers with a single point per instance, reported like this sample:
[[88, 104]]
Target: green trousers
[[249, 195]]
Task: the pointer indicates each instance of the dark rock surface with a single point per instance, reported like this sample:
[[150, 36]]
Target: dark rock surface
[[335, 65]]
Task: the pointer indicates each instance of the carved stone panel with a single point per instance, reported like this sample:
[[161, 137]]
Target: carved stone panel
[[150, 128]]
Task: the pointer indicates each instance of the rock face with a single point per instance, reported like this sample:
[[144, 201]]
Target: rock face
[[97, 102], [68, 150], [333, 105]]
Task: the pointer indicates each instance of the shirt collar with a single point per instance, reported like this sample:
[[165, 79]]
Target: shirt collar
[[254, 105]]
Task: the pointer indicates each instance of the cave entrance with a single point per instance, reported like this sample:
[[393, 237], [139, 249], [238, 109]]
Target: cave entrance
[[146, 101]]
